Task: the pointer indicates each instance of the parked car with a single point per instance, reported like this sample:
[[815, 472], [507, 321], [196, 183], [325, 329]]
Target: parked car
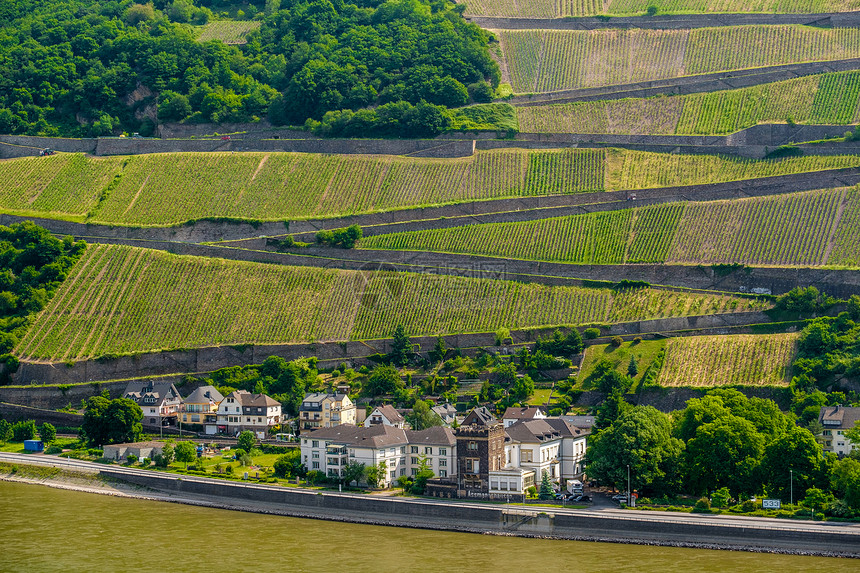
[[620, 498], [580, 499]]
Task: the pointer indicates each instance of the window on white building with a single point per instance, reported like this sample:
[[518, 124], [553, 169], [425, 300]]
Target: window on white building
[[316, 465], [443, 462], [428, 450], [443, 451], [316, 444], [414, 449], [443, 474]]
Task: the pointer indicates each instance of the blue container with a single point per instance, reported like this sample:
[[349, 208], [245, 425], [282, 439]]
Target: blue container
[[34, 446]]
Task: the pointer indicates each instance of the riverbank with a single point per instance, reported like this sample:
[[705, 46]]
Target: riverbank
[[762, 536]]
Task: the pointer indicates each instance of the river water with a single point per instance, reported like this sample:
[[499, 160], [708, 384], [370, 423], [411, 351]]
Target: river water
[[45, 529]]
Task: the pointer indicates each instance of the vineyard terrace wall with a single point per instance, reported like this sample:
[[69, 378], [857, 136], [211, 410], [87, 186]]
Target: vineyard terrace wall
[[710, 82], [488, 211], [669, 21], [201, 360]]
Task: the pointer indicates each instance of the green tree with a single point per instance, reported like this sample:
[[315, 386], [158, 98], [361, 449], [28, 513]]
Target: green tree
[[795, 452], [23, 430], [383, 379], [5, 431], [845, 481], [47, 433], [440, 350], [522, 389], [424, 473], [246, 440], [167, 455], [111, 421], [853, 434], [611, 409], [632, 367], [374, 475], [723, 453], [641, 438], [353, 472], [289, 464], [545, 487], [401, 347], [721, 497], [815, 499], [422, 417], [185, 452]]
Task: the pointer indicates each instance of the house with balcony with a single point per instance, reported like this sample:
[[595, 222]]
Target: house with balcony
[[320, 410], [385, 415], [548, 445], [160, 401], [200, 408], [329, 450], [241, 410], [836, 420]]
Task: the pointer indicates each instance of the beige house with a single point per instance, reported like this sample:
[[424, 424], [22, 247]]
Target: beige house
[[201, 408], [326, 411]]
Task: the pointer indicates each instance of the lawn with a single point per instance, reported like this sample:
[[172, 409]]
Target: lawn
[[644, 352], [540, 397]]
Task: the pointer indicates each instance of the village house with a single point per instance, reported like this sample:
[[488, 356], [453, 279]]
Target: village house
[[201, 408], [447, 412], [329, 450], [513, 415], [836, 420], [160, 401], [242, 410], [320, 410], [386, 415]]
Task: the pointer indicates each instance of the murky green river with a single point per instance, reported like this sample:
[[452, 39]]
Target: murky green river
[[46, 529]]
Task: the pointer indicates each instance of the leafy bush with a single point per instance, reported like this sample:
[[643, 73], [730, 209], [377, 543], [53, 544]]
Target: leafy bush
[[703, 503], [340, 238], [616, 341], [24, 430], [591, 333]]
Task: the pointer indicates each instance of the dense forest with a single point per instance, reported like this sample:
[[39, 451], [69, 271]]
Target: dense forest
[[91, 67], [33, 263]]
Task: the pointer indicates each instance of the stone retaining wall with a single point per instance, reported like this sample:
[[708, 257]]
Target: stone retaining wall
[[203, 360], [15, 412], [668, 21], [483, 518], [716, 81]]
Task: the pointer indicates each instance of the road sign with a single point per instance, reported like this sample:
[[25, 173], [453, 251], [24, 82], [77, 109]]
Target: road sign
[[771, 504]]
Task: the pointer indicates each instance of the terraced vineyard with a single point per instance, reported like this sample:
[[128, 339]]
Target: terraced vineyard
[[832, 98], [123, 299], [626, 169], [562, 8], [282, 185], [782, 230], [555, 60], [792, 229], [267, 186], [66, 185], [228, 31], [745, 359]]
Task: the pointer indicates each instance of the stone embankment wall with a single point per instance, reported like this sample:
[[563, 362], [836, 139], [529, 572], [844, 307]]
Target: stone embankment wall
[[208, 359], [669, 21], [483, 518], [15, 412], [55, 396], [716, 81]]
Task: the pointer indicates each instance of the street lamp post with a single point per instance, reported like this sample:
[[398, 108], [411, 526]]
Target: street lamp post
[[628, 484], [791, 472]]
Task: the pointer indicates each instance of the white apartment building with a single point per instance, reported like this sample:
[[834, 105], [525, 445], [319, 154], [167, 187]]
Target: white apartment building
[[329, 450], [836, 420], [241, 411]]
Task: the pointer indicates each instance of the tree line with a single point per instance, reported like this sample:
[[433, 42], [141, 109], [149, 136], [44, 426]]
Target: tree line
[[91, 67]]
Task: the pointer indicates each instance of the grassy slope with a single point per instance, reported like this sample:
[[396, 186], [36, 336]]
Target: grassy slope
[[644, 353], [124, 300]]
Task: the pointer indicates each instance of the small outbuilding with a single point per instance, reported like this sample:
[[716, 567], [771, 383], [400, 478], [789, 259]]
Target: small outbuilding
[[34, 446], [120, 452]]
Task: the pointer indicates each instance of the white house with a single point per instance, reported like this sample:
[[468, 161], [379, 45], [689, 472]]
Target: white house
[[514, 415], [836, 420], [160, 401], [241, 411], [385, 415], [329, 450]]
